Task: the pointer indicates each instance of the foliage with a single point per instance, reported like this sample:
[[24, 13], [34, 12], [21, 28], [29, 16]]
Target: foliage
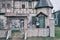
[[14, 31]]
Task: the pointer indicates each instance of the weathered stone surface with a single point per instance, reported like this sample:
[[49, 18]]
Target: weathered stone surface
[[3, 33]]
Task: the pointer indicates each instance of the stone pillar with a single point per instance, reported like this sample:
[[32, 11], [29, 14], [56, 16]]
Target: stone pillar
[[52, 28], [25, 23], [25, 28]]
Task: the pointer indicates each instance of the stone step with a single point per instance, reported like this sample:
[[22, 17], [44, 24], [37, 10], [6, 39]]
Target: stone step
[[18, 36]]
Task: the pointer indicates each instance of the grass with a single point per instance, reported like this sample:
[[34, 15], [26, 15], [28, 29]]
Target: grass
[[9, 39], [57, 32], [40, 38]]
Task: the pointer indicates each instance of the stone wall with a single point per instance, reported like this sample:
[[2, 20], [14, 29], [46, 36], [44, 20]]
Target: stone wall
[[52, 28], [38, 32], [3, 33]]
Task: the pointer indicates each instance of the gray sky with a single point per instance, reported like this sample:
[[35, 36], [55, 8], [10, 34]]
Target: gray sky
[[56, 4]]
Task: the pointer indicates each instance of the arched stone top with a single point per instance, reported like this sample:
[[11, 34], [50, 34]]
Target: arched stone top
[[41, 13]]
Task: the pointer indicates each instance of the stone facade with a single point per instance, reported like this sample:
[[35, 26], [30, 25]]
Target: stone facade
[[18, 14]]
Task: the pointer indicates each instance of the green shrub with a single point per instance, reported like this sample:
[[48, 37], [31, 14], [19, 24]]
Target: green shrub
[[14, 31]]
